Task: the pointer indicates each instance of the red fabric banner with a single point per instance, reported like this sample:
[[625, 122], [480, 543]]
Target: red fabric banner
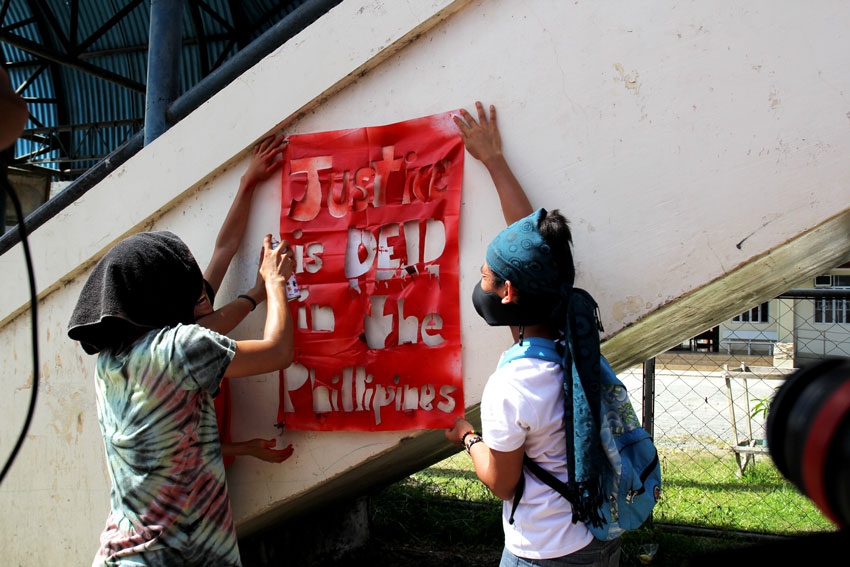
[[372, 215]]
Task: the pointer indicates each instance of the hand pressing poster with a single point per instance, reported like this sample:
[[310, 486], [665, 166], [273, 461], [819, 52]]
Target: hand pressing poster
[[372, 215]]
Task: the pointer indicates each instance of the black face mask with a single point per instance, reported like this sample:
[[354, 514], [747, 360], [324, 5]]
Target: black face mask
[[497, 314]]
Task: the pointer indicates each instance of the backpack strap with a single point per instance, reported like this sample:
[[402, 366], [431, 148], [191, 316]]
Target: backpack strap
[[543, 349], [518, 491], [551, 480], [533, 347]]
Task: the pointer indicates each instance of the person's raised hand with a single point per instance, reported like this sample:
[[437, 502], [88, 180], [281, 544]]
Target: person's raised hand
[[264, 450], [278, 263], [481, 137], [264, 160], [455, 434]]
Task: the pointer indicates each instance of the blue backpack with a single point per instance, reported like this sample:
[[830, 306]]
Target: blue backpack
[[631, 478]]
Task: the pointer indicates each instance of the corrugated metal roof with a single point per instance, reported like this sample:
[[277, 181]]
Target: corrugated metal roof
[[84, 48]]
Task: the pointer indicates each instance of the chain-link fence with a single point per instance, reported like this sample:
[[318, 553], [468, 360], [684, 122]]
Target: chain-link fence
[[711, 396], [707, 405]]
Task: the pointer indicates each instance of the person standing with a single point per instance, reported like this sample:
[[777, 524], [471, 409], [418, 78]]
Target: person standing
[[526, 283], [155, 375]]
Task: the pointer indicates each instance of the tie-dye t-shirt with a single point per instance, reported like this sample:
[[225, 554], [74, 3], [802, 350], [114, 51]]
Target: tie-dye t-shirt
[[169, 499]]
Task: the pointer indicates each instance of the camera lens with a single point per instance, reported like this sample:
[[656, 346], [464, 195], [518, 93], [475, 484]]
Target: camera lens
[[808, 434]]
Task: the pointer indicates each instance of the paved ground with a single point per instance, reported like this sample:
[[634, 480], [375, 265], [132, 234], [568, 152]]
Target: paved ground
[[694, 405]]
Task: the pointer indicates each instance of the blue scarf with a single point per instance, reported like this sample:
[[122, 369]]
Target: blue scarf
[[520, 254]]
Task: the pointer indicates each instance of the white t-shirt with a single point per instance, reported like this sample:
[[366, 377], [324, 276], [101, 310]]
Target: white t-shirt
[[523, 404]]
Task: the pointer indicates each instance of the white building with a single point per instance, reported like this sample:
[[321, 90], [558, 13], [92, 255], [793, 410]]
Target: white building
[[806, 327]]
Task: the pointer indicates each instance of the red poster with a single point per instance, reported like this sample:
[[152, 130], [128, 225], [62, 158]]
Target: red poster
[[372, 214]]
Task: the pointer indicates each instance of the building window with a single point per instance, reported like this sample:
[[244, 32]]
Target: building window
[[833, 281], [758, 314], [832, 311]]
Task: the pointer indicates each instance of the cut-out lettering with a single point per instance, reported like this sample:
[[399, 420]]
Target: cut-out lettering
[[384, 318], [354, 391], [339, 197], [407, 326], [359, 240], [435, 240], [323, 318], [296, 376], [426, 396], [447, 403], [383, 169], [386, 262], [308, 206], [378, 325], [313, 261], [372, 215], [431, 325], [389, 247], [352, 190]]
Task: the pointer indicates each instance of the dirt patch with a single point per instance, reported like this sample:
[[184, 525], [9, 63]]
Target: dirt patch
[[384, 552]]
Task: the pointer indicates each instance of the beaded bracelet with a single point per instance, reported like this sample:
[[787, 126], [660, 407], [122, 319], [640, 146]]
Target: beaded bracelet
[[249, 298], [470, 432], [475, 438]]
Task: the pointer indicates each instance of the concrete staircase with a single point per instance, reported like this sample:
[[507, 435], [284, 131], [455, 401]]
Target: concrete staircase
[[701, 159]]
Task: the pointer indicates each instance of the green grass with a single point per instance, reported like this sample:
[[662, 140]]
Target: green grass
[[698, 490], [703, 490], [445, 507]]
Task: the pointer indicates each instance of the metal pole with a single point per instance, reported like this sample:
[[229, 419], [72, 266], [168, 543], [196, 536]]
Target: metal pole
[[648, 416], [734, 421], [6, 157], [166, 34], [274, 37]]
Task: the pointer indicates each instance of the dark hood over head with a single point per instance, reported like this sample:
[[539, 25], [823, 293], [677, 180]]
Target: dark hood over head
[[147, 281]]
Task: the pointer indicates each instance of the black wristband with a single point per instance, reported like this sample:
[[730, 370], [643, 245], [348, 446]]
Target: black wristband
[[470, 432], [249, 298], [475, 438]]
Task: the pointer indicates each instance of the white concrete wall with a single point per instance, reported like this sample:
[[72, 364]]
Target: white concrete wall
[[689, 143]]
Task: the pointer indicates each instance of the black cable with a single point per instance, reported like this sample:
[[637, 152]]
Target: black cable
[[4, 181]]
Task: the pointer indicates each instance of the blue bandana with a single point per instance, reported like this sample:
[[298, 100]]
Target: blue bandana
[[520, 254]]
